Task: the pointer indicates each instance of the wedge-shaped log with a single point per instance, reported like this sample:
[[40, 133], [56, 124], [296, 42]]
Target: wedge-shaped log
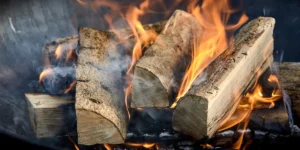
[[100, 74], [200, 112], [100, 107], [50, 115], [154, 74]]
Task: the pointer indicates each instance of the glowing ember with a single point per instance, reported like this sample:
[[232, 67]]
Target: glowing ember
[[213, 15], [145, 145]]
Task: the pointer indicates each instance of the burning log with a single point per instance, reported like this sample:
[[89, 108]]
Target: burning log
[[49, 51], [50, 55], [200, 112], [154, 74], [51, 116]]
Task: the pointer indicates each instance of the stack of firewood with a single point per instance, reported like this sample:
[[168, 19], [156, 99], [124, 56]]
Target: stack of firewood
[[100, 105]]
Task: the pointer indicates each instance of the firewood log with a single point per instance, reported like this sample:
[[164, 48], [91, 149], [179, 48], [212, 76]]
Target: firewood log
[[200, 112], [100, 107], [154, 74], [289, 77], [51, 116]]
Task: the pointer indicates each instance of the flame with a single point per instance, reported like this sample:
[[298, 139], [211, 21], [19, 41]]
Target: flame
[[207, 146], [127, 92], [107, 147], [213, 16], [46, 73], [75, 145], [145, 145], [251, 101], [72, 85]]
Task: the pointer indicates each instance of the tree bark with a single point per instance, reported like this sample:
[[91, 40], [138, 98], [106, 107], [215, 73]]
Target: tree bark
[[289, 77], [99, 89], [51, 116], [154, 74], [200, 112]]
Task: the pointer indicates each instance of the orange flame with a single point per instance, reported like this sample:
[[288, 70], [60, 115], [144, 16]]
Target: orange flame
[[213, 16], [145, 145], [59, 51], [127, 92], [46, 73], [75, 145], [132, 15], [72, 85], [248, 103], [107, 147]]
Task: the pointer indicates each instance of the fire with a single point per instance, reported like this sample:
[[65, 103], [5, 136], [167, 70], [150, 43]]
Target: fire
[[131, 14], [107, 147], [46, 73], [59, 51], [145, 145], [72, 85], [213, 16], [137, 145], [75, 145], [249, 102]]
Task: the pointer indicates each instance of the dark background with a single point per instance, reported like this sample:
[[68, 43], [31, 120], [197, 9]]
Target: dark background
[[26, 25]]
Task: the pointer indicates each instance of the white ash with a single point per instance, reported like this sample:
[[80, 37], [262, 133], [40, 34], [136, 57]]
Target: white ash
[[259, 134], [225, 133], [165, 134], [244, 131]]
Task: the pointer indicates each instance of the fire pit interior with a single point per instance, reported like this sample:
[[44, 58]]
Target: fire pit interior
[[161, 74]]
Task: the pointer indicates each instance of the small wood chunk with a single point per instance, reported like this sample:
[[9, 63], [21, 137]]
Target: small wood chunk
[[50, 115]]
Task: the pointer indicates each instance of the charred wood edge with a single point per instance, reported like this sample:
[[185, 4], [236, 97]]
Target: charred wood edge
[[49, 48]]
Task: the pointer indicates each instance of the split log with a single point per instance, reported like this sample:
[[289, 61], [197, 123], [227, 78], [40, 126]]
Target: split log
[[200, 112], [100, 108], [289, 77], [154, 74], [51, 116]]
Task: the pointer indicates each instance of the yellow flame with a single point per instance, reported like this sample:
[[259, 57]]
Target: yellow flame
[[248, 103], [145, 145], [108, 147], [213, 16], [46, 73]]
